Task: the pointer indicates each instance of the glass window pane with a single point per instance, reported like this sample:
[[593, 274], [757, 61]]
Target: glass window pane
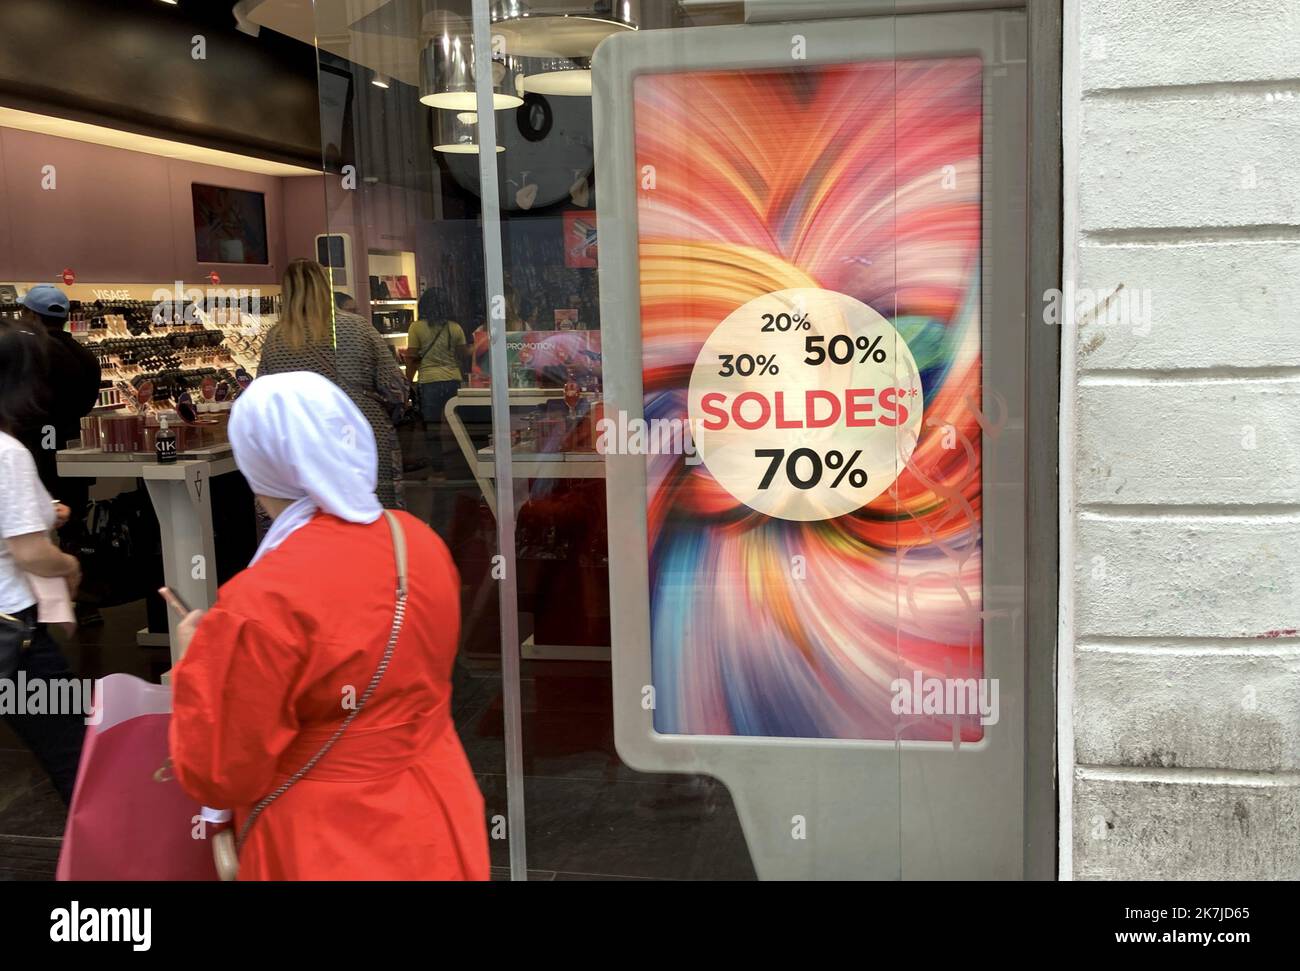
[[734, 471]]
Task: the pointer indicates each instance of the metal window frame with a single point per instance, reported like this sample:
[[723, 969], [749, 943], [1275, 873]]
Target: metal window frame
[[1042, 367], [1042, 441]]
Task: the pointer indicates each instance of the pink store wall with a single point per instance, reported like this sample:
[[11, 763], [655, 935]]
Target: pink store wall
[[117, 216], [332, 209], [304, 203]]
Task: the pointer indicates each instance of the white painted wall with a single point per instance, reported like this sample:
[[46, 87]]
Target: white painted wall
[[1180, 658]]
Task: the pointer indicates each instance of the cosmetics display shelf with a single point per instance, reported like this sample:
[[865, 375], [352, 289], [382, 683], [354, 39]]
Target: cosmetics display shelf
[[244, 336], [157, 356]]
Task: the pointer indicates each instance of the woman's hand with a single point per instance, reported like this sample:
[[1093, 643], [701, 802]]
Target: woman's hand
[[186, 628], [189, 622], [61, 514]]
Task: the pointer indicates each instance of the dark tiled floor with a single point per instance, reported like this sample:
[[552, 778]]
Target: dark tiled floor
[[589, 817], [648, 830], [29, 806], [28, 857]]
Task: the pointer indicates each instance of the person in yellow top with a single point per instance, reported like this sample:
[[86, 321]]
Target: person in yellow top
[[435, 347]]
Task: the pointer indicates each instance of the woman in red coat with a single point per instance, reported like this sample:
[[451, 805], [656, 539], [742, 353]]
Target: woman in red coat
[[289, 648]]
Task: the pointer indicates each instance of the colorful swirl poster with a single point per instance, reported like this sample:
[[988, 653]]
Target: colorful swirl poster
[[856, 187]]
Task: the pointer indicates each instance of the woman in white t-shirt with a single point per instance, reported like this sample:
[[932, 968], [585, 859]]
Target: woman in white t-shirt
[[27, 515]]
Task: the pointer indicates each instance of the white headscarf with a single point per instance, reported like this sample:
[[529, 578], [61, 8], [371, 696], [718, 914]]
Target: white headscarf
[[297, 436]]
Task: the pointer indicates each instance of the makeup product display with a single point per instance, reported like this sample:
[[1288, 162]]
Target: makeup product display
[[121, 433], [172, 335], [183, 361], [90, 432]]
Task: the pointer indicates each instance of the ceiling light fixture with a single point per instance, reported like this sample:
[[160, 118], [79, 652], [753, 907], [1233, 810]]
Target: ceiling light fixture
[[380, 81], [447, 76], [560, 28], [563, 76], [454, 136]]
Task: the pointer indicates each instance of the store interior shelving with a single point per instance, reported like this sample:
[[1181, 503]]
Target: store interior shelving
[[393, 292], [169, 347]]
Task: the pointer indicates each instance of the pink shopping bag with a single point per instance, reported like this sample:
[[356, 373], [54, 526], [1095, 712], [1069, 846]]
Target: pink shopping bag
[[129, 818]]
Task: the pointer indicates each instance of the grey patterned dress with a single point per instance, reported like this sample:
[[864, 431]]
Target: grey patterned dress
[[365, 368]]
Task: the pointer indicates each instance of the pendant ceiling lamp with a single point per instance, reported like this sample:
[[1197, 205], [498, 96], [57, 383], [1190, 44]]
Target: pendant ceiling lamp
[[560, 28], [556, 38], [447, 67], [457, 133], [565, 76]]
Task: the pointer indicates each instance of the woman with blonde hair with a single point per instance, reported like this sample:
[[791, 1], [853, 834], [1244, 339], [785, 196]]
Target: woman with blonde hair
[[312, 335]]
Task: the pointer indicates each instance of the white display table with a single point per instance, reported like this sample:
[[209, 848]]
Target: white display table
[[552, 465], [182, 500], [526, 465]]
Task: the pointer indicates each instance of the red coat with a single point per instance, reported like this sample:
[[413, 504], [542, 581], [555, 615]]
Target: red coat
[[266, 679]]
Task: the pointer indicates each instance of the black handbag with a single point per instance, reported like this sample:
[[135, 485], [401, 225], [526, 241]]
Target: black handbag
[[394, 394], [15, 637], [119, 549]]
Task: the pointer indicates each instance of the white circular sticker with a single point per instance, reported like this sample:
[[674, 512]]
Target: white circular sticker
[[805, 404]]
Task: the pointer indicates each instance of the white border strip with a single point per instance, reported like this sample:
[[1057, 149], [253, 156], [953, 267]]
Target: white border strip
[[1071, 105]]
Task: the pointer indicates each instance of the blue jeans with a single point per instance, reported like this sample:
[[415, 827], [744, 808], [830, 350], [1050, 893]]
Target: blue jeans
[[55, 740], [433, 398]]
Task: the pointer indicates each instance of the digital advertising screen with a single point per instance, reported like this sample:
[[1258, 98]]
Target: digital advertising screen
[[229, 225], [809, 250]]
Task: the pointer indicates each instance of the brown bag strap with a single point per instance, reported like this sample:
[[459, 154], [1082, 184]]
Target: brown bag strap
[[399, 614]]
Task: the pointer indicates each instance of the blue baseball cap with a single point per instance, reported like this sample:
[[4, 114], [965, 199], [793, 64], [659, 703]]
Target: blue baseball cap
[[46, 300]]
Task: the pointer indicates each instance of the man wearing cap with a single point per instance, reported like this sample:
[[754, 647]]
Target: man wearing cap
[[71, 389]]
